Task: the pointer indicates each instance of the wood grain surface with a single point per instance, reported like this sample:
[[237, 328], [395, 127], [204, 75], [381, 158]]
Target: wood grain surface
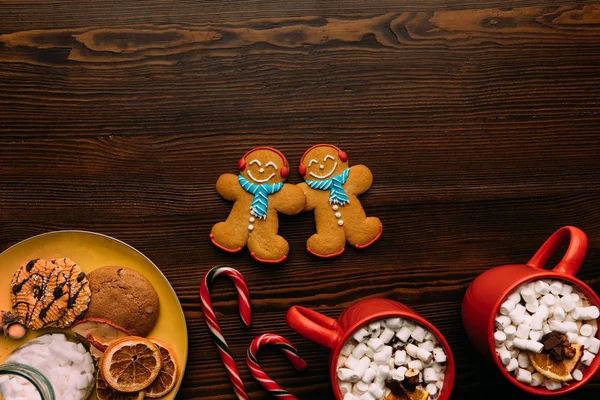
[[480, 121]]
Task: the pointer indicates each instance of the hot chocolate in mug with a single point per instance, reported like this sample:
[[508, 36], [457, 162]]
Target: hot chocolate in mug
[[334, 334], [489, 291]]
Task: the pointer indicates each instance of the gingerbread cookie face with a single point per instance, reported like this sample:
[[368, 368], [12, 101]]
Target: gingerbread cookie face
[[263, 165], [323, 162]]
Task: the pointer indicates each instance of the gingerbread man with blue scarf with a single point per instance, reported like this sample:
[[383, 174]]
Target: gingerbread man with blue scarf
[[259, 194], [331, 188]]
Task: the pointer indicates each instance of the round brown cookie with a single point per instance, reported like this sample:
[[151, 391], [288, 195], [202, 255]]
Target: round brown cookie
[[37, 294], [124, 297], [77, 290]]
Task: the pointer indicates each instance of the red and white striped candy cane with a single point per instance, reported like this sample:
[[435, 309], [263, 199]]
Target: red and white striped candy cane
[[213, 325], [290, 352]]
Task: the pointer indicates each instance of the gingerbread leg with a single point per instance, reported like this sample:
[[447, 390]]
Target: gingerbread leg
[[326, 244], [364, 233], [228, 236], [268, 248]]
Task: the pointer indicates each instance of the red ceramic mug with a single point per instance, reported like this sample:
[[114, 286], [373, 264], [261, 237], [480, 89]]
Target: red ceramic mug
[[487, 292], [333, 334]]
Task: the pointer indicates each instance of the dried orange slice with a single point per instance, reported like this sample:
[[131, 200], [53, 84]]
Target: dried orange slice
[[105, 392], [130, 364], [169, 373], [417, 394], [557, 370]]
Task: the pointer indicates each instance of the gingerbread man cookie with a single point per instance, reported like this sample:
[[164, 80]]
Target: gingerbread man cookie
[[258, 193], [331, 189]]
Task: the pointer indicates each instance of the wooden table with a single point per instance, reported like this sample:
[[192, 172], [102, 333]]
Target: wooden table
[[479, 120]]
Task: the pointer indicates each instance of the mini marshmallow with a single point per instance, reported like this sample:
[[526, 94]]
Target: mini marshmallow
[[556, 287], [559, 313], [523, 360], [360, 334], [576, 299], [386, 335], [360, 387], [539, 318], [431, 389], [383, 371], [359, 350], [523, 375], [564, 326], [427, 345], [439, 355], [577, 375], [537, 379], [534, 347], [507, 307], [523, 331], [429, 375], [546, 329], [552, 384], [532, 307], [403, 334], [517, 315], [375, 344], [345, 387], [424, 355], [566, 290], [586, 330], [528, 295], [541, 287], [400, 357], [418, 334], [515, 297], [587, 358], [572, 337], [567, 303], [366, 396], [376, 391], [535, 335], [398, 374], [548, 300], [383, 356], [369, 375], [510, 332], [361, 368], [394, 323], [347, 375], [592, 344], [501, 322], [509, 345], [350, 396], [499, 338], [503, 354], [374, 328], [351, 362], [527, 319], [411, 350], [418, 364], [340, 361], [580, 313], [370, 353], [513, 364]]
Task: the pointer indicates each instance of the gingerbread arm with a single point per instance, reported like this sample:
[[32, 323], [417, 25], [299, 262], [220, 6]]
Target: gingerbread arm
[[310, 203], [359, 180], [229, 187], [289, 200]]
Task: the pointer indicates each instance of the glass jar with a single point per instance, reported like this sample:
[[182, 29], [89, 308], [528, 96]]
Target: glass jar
[[41, 361]]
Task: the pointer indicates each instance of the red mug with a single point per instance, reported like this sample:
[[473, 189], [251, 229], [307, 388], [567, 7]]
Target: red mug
[[487, 292], [333, 334]]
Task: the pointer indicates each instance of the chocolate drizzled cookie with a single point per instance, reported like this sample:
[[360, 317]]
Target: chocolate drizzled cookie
[[76, 288]]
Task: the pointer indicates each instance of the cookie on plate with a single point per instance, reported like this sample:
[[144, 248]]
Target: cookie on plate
[[124, 297], [77, 290], [331, 188]]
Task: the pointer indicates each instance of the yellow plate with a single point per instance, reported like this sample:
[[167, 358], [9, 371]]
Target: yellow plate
[[90, 251]]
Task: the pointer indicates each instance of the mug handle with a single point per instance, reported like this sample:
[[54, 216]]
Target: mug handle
[[314, 326], [572, 259]]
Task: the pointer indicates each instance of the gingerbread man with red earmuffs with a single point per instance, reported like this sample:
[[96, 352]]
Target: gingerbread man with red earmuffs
[[331, 188], [259, 194]]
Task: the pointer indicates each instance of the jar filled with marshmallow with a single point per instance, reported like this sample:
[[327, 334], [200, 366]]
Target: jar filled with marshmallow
[[545, 333], [51, 366], [387, 358]]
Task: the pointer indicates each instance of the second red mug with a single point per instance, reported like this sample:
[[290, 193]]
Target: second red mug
[[334, 334]]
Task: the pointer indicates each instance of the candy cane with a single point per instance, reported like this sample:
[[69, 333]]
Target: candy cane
[[290, 352], [213, 325]]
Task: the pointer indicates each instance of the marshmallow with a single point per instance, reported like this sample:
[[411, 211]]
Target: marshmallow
[[400, 357], [537, 379], [431, 389], [517, 315], [507, 307], [510, 332], [361, 368], [509, 345], [559, 313], [523, 375], [360, 387], [552, 384], [546, 329], [585, 313], [375, 344], [564, 326], [366, 396], [347, 375], [515, 297], [556, 287], [424, 355], [369, 375], [350, 396], [383, 356], [535, 335], [359, 350], [587, 358], [427, 345], [567, 303], [528, 295], [501, 322], [418, 364], [592, 344], [376, 391], [439, 355], [548, 300], [504, 355], [345, 387], [499, 338], [532, 307], [374, 328], [370, 353], [527, 320], [586, 330], [531, 345], [429, 375], [403, 334], [386, 335], [383, 371], [572, 337], [566, 290], [523, 360], [351, 362], [523, 331], [360, 334], [577, 375], [398, 374], [411, 350], [541, 287], [340, 361], [394, 323], [513, 364], [539, 318], [418, 334]]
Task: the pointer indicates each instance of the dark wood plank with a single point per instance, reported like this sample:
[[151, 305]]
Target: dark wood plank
[[479, 120]]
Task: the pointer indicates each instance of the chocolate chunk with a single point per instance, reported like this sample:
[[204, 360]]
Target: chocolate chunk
[[557, 353], [551, 342]]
